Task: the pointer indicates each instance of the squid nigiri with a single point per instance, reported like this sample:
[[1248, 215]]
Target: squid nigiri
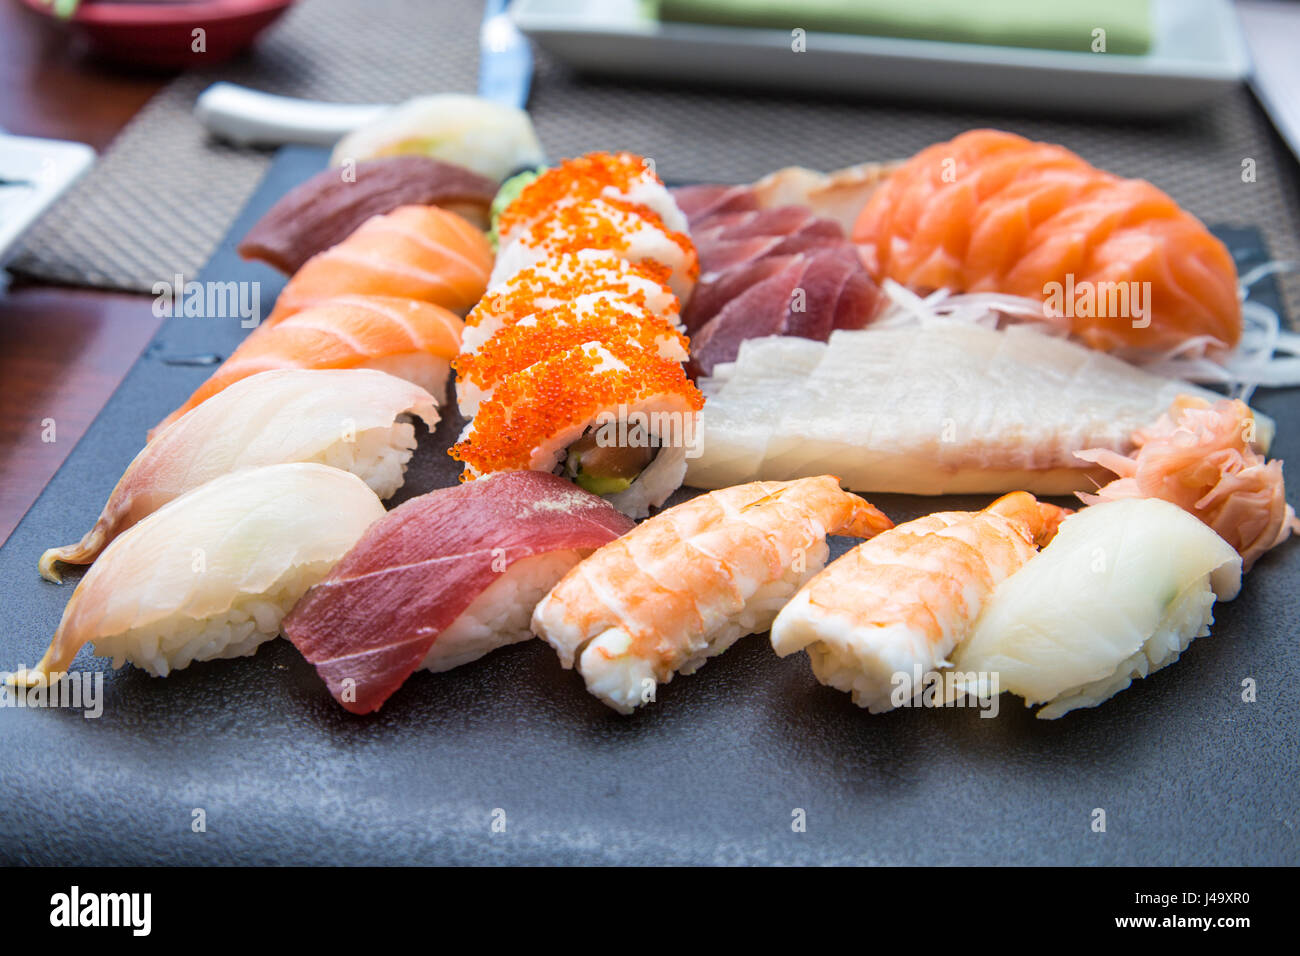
[[1203, 458], [1121, 591], [212, 573], [994, 212], [412, 340], [896, 606], [688, 583], [349, 418], [413, 252], [443, 579]]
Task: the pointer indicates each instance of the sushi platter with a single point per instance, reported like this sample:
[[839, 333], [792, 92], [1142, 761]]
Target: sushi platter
[[574, 518]]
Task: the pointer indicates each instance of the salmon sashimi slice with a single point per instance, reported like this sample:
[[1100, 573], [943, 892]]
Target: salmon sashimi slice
[[413, 252], [407, 338], [883, 619], [994, 212], [685, 585]]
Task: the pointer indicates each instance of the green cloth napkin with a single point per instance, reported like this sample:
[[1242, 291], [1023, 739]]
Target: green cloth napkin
[[1045, 24]]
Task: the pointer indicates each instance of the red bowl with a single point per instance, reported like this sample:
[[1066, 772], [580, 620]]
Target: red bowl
[[161, 35]]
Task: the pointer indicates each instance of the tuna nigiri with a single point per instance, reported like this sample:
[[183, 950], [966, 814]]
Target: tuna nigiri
[[326, 209], [413, 252], [1121, 591], [688, 583], [894, 608], [1204, 458], [412, 340], [445, 578], [212, 573], [994, 212], [352, 419]]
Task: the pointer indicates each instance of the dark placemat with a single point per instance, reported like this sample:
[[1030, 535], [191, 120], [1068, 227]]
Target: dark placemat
[[711, 773], [164, 194]]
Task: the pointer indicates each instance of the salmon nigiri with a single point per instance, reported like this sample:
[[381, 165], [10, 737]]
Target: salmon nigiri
[[893, 609], [415, 252], [413, 340], [994, 212], [688, 583]]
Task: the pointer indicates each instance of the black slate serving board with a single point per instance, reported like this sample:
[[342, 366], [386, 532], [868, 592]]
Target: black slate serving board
[[714, 772]]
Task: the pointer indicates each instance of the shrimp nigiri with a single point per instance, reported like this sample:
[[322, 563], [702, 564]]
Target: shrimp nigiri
[[412, 340], [1203, 458], [894, 607], [413, 252], [688, 583]]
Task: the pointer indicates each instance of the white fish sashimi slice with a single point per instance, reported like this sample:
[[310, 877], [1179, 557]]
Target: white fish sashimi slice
[[944, 408], [1120, 592]]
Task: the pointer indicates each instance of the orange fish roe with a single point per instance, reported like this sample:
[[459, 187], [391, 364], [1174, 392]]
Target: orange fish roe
[[516, 347], [602, 223], [566, 277], [585, 177], [561, 392]]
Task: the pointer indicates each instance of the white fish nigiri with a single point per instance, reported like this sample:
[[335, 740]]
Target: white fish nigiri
[[212, 573], [348, 418], [1120, 592]]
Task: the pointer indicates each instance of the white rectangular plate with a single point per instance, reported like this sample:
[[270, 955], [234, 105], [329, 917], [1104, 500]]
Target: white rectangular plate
[[1197, 52]]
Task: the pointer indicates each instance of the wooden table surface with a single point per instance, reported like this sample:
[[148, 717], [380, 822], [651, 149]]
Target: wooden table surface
[[62, 351]]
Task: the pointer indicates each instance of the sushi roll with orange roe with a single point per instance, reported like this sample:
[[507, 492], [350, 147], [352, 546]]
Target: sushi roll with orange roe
[[630, 230], [588, 318], [612, 416], [556, 281], [623, 176]]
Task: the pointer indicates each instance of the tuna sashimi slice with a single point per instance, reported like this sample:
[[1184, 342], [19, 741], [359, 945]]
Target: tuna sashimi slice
[[698, 203], [371, 622], [808, 295]]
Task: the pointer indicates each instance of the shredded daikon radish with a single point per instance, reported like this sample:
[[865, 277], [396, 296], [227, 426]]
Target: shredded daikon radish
[[1267, 355]]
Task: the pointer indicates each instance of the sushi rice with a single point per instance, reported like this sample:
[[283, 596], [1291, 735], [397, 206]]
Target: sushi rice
[[501, 613], [174, 643]]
